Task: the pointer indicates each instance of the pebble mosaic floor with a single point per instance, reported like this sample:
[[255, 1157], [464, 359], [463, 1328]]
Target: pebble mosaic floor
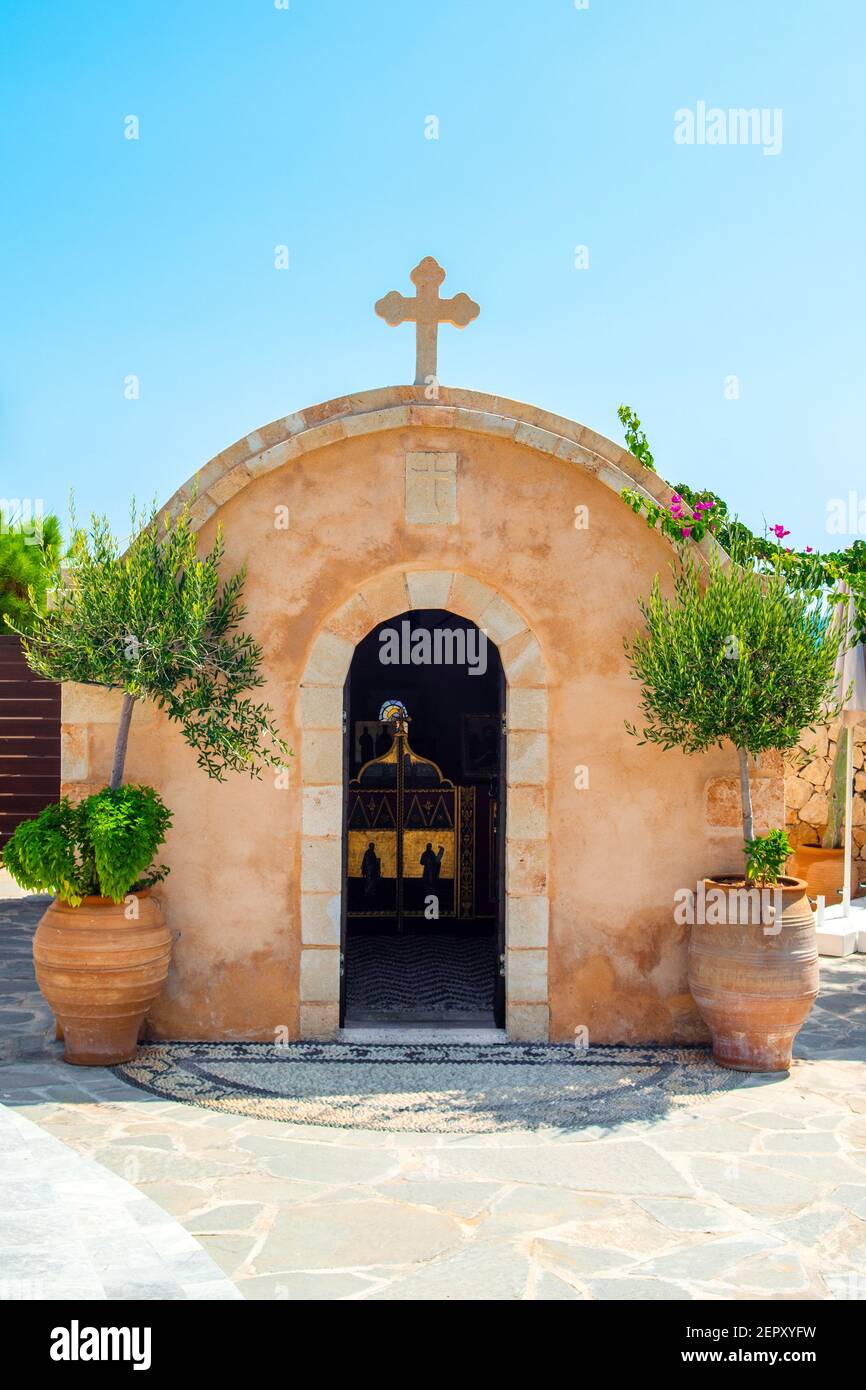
[[758, 1193], [440, 1088], [446, 976]]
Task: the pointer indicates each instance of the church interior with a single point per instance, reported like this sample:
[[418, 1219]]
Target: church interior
[[424, 823]]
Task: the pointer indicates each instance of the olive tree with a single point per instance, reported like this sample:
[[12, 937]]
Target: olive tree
[[156, 621], [733, 657]]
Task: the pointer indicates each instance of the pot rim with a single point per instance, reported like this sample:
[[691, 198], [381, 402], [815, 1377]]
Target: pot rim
[[96, 900], [735, 883], [819, 849]]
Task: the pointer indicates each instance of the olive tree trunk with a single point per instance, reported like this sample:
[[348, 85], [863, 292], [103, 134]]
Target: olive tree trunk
[[746, 795], [121, 741]]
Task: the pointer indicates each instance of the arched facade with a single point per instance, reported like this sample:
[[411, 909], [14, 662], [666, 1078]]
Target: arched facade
[[346, 515]]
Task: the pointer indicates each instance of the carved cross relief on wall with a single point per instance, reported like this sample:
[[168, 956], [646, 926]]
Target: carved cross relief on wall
[[431, 488]]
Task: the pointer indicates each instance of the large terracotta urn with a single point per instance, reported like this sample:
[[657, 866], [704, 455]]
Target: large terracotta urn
[[754, 975], [100, 966], [823, 870]]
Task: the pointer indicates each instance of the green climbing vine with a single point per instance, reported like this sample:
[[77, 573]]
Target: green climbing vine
[[691, 514]]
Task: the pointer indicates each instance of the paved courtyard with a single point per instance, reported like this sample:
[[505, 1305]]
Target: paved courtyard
[[759, 1193]]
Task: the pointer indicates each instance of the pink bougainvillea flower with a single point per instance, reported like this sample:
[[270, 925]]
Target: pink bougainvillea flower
[[808, 550], [687, 530], [779, 531]]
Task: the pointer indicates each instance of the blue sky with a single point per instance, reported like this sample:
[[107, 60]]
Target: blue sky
[[306, 127]]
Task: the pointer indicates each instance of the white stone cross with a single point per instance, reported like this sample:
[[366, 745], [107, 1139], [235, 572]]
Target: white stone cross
[[426, 310]]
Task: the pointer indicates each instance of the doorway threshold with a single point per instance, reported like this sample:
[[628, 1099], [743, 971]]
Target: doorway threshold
[[420, 1033]]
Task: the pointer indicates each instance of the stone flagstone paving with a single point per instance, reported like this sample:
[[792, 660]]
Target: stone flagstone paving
[[70, 1228], [757, 1194]]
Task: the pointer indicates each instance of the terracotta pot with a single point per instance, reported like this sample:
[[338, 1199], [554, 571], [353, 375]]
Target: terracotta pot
[[100, 972], [754, 985], [823, 870]]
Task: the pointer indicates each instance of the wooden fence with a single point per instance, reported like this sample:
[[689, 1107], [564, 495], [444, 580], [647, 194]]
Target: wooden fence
[[29, 739]]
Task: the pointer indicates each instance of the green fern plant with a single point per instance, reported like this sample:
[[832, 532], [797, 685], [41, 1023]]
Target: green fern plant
[[766, 857], [103, 846]]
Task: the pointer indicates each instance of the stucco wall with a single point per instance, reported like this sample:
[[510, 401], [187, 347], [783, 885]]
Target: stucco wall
[[648, 823]]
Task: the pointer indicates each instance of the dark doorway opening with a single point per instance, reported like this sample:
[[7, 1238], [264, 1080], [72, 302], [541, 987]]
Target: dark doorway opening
[[424, 825]]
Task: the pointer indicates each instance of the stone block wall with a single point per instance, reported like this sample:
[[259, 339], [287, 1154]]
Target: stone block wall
[[723, 807], [808, 770]]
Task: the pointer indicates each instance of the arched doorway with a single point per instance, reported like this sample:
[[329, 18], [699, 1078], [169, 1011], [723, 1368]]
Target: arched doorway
[[424, 826], [323, 764]]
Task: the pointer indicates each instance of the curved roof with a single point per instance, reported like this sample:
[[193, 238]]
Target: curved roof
[[396, 407]]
